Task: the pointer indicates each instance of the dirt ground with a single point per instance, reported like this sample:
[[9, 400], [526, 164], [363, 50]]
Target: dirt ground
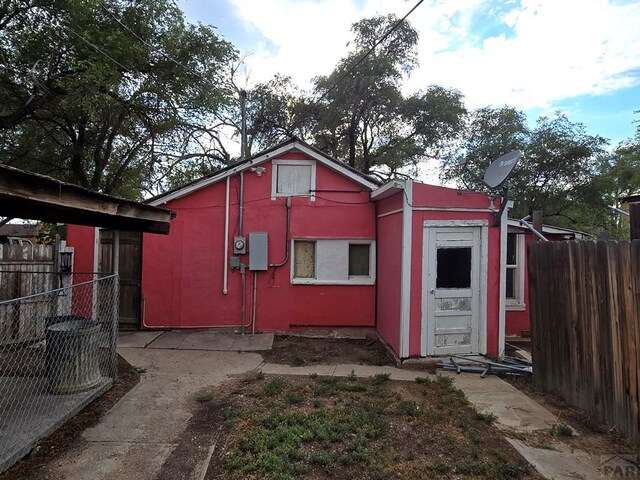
[[68, 435], [273, 427], [298, 351], [592, 436]]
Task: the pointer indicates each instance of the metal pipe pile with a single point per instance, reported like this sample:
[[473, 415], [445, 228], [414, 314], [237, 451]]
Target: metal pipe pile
[[472, 364]]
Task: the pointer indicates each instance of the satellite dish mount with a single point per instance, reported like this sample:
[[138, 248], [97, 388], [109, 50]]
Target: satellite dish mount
[[497, 177]]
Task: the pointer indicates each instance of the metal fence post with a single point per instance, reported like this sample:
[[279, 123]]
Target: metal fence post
[[115, 299]]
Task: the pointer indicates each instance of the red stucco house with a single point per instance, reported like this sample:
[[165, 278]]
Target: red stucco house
[[291, 239]]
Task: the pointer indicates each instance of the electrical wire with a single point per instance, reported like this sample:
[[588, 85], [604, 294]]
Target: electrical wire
[[148, 45], [95, 47], [354, 66]]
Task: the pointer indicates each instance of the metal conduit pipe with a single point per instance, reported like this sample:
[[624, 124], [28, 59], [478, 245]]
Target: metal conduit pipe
[[523, 222], [253, 303], [241, 206], [287, 236], [243, 278]]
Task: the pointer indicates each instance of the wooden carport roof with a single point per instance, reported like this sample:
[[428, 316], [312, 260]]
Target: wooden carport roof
[[38, 197]]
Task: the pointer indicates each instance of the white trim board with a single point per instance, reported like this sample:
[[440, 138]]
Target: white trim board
[[276, 164], [261, 159], [405, 279]]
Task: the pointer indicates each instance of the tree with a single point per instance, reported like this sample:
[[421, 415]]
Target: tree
[[362, 115], [109, 95], [619, 177], [559, 171]]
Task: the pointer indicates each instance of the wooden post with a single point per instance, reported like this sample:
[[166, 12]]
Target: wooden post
[[634, 219], [537, 221]]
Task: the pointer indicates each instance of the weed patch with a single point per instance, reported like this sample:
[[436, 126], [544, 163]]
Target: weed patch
[[332, 427]]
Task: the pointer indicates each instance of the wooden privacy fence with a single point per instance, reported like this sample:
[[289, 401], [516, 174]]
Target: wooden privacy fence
[[24, 270], [585, 326]]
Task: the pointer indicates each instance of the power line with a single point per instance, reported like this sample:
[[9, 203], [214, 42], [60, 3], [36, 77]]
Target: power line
[[355, 65], [98, 49]]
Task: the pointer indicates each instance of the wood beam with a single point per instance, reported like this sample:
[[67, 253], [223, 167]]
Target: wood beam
[[37, 197]]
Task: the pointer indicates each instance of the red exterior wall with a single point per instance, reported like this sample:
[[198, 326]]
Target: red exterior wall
[[82, 238], [518, 320], [390, 270], [433, 196], [182, 275]]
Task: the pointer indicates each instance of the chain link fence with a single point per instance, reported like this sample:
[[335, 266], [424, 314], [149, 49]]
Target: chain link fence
[[57, 352]]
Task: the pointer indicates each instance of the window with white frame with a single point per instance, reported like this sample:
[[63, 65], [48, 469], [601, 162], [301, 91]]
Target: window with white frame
[[333, 262], [515, 271], [293, 178]]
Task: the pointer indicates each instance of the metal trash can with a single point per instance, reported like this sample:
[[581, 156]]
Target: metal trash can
[[71, 356], [48, 321]]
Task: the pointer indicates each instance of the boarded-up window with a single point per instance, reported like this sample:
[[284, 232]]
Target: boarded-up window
[[304, 255], [293, 180], [359, 259]]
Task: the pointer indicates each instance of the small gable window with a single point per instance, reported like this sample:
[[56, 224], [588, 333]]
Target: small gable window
[[293, 178]]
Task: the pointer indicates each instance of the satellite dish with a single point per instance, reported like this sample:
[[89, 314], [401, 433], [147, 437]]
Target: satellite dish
[[500, 169]]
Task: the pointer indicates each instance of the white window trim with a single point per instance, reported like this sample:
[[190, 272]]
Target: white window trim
[[353, 279], [274, 178], [518, 303]]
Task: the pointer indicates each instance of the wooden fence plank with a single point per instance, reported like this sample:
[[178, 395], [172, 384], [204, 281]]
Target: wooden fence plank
[[585, 309]]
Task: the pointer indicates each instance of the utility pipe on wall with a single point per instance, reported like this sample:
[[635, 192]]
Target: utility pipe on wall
[[225, 273], [241, 207], [253, 302], [286, 236], [243, 278]]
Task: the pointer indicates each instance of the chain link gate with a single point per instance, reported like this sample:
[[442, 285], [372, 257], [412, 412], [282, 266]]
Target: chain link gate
[[57, 352]]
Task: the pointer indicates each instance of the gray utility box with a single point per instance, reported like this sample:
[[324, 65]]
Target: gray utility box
[[258, 251]]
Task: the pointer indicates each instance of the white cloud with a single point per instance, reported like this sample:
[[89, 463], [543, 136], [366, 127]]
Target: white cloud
[[558, 49]]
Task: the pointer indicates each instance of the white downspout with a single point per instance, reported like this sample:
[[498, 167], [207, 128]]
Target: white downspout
[[502, 306], [225, 253]]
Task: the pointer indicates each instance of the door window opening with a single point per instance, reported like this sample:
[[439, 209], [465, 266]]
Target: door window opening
[[453, 267]]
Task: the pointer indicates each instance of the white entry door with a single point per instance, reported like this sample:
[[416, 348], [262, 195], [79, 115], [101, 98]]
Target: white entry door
[[452, 289]]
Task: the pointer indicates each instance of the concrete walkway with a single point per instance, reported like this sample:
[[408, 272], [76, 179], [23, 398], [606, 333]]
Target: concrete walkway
[[185, 340], [518, 413], [138, 434]]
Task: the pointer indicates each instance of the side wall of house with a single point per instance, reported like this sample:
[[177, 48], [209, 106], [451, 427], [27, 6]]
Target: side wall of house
[[390, 267], [182, 278], [434, 198], [517, 319]]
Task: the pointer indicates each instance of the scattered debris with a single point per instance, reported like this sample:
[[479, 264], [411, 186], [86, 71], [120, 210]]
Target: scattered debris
[[475, 364]]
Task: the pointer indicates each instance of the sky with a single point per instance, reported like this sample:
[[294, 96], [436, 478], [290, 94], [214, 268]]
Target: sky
[[580, 57]]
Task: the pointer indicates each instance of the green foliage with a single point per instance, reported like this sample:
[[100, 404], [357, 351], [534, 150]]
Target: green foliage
[[109, 95], [204, 397], [562, 430], [257, 376], [294, 398], [274, 446], [274, 387], [557, 175], [410, 408], [486, 417], [363, 116], [380, 378]]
